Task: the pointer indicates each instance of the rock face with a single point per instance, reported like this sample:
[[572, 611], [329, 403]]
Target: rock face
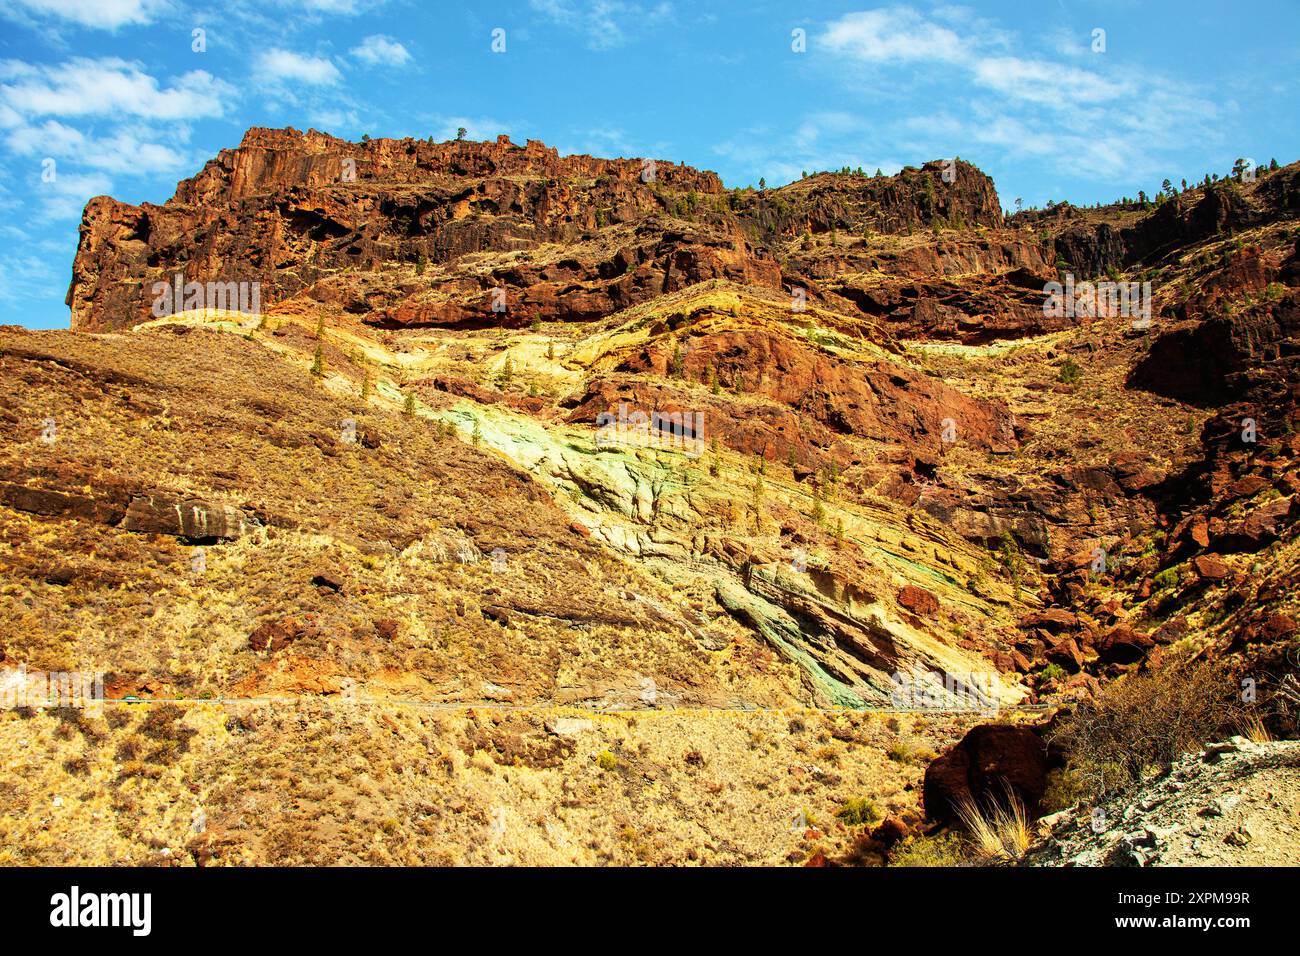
[[830, 397], [290, 210], [1226, 357], [197, 521]]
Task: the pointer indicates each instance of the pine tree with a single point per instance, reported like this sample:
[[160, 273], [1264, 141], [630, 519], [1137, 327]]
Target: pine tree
[[317, 362], [408, 407], [677, 364], [365, 382], [507, 373]]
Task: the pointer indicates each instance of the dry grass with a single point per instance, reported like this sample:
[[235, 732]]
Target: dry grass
[[1254, 730], [324, 782], [940, 850], [999, 832]]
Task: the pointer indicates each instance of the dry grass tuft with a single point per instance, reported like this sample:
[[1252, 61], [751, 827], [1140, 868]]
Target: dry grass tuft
[[999, 833], [1254, 730]]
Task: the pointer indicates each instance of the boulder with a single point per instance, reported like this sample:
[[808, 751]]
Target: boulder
[[1066, 654], [1210, 567], [892, 830], [276, 635], [1123, 645], [988, 759], [49, 503], [918, 600], [1053, 619]]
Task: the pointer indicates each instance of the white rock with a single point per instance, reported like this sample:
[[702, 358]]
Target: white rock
[[569, 726]]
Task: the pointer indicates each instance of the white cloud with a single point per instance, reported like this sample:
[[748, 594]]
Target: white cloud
[[1048, 83], [130, 151], [894, 35], [52, 138], [107, 87], [96, 14], [822, 141], [335, 121], [285, 65], [347, 7], [606, 142], [379, 50], [1058, 108]]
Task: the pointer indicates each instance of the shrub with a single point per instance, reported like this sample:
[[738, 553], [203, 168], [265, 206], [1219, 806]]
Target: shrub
[[1070, 372], [1253, 729], [1013, 562], [1166, 578], [606, 761], [1053, 672], [945, 849], [1143, 722], [1065, 788], [900, 751], [860, 812], [677, 362]]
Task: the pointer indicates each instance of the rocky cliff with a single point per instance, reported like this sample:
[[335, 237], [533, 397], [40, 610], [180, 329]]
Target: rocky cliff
[[574, 237]]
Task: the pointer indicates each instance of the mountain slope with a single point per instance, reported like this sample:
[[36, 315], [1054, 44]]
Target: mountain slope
[[516, 433]]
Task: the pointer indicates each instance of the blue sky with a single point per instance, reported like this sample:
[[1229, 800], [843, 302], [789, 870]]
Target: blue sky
[[113, 92]]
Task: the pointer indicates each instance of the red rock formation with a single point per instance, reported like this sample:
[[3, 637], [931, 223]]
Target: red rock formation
[[310, 213]]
